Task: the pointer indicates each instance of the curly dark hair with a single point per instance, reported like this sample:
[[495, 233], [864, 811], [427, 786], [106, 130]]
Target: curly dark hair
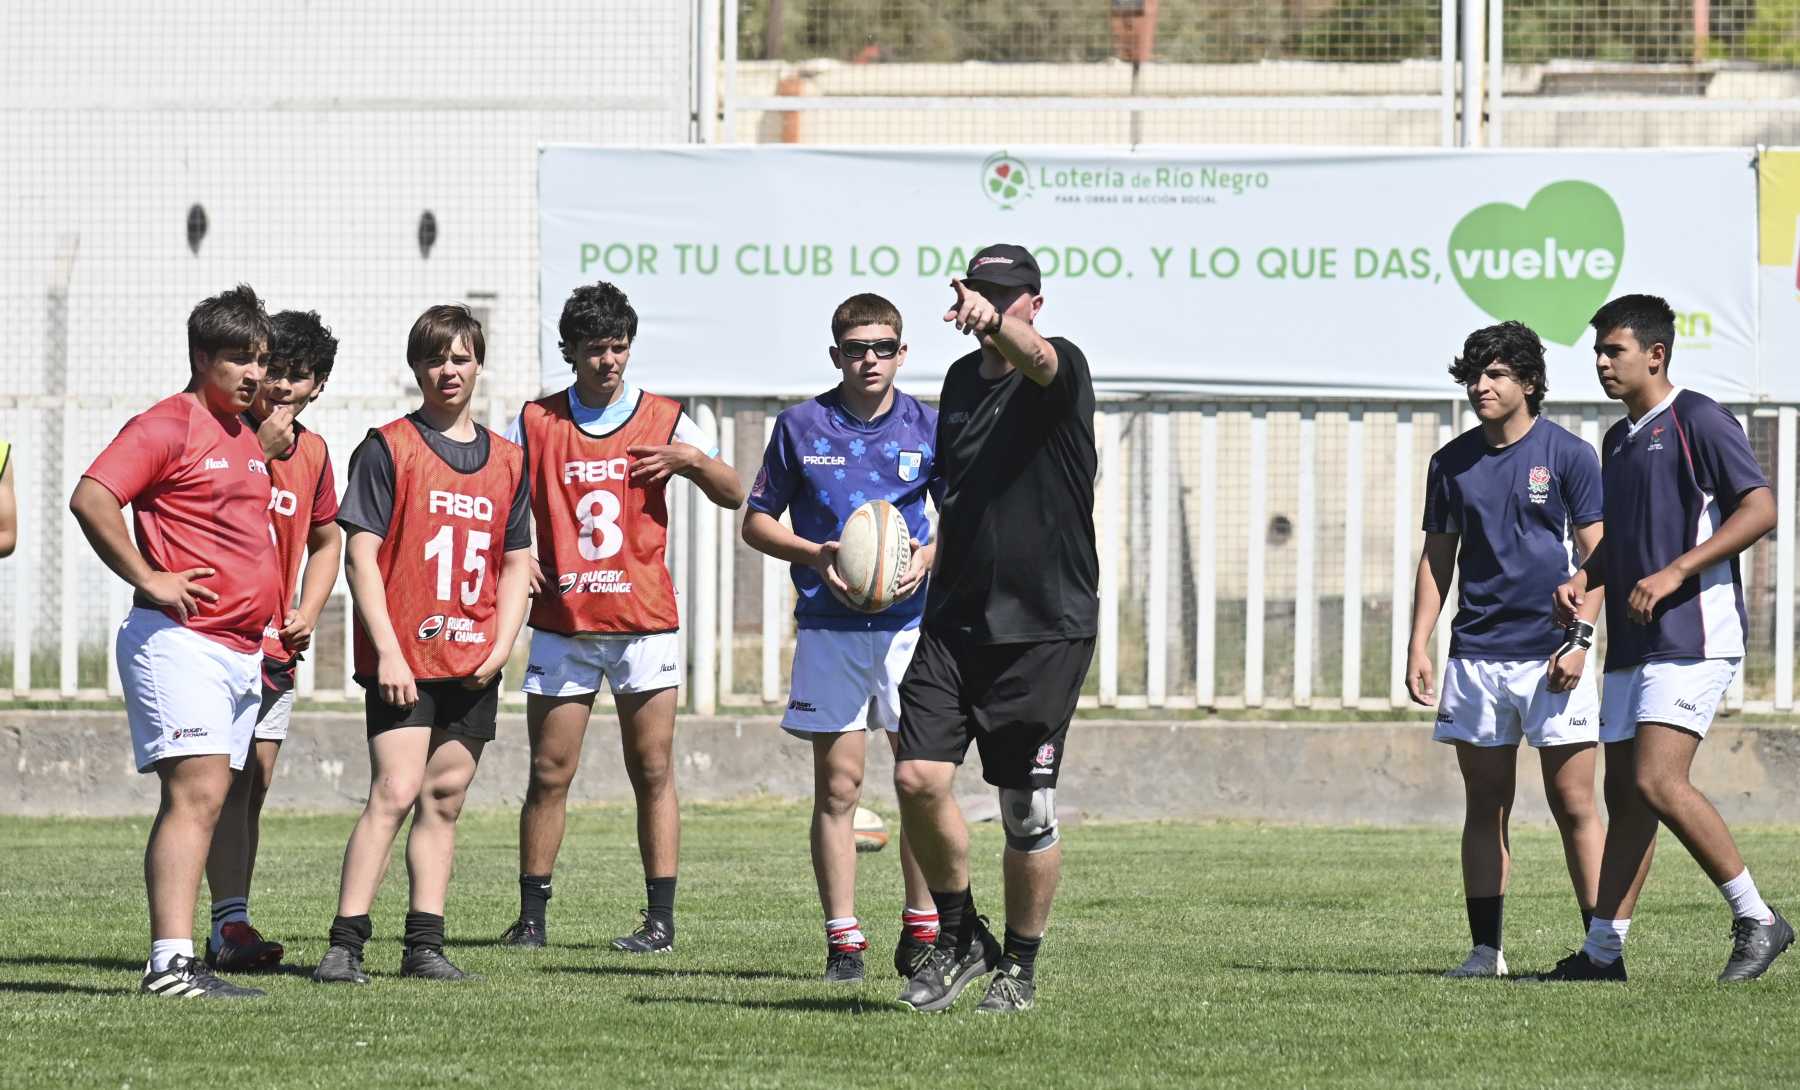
[[230, 319], [302, 339], [595, 311], [1649, 317], [1512, 343]]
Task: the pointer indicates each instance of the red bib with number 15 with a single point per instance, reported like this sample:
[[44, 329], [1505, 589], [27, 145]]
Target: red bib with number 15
[[600, 538], [440, 561]]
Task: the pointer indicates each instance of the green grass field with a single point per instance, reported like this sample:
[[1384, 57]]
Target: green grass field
[[1179, 955]]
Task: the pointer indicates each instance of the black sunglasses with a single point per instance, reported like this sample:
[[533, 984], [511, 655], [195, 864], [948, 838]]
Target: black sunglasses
[[885, 349]]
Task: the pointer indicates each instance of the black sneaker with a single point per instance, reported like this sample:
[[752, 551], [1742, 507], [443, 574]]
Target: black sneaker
[[1010, 990], [523, 932], [425, 963], [1755, 946], [910, 956], [844, 967], [340, 965], [947, 972], [243, 950], [189, 978], [1577, 967], [653, 936]]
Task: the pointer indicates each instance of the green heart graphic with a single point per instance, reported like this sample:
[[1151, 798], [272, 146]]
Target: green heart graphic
[[1549, 264]]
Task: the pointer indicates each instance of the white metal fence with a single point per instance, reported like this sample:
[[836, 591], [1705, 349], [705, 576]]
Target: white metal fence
[[1250, 557], [1253, 555]]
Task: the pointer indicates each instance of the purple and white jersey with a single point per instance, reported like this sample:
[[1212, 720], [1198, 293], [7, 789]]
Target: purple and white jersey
[[822, 463], [1672, 478]]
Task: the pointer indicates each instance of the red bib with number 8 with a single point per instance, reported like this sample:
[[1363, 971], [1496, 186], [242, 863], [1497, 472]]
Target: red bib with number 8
[[440, 561], [600, 538]]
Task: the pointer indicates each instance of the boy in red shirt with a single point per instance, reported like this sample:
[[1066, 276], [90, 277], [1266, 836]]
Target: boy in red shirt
[[600, 455], [302, 504], [204, 576], [438, 514]]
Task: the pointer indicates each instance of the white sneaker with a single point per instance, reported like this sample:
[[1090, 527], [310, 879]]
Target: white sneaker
[[1483, 961]]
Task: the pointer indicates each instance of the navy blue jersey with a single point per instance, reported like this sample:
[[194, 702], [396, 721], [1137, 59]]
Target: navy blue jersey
[[823, 463], [1515, 509], [1671, 479]]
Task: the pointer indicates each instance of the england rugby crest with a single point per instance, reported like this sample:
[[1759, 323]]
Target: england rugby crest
[[1538, 484], [910, 463]]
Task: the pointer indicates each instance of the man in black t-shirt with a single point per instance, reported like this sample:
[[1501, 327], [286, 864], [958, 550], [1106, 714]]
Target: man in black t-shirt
[[1010, 620]]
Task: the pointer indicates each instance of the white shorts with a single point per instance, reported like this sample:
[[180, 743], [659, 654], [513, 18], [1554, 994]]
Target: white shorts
[[273, 716], [1683, 693], [1487, 703], [837, 674], [574, 665], [185, 695]]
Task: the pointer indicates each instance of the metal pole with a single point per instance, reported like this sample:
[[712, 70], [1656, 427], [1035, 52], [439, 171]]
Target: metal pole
[[1447, 30], [728, 115], [1496, 62], [1471, 73], [706, 72]]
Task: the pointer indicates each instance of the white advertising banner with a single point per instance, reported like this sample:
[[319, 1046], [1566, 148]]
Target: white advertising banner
[[1262, 272]]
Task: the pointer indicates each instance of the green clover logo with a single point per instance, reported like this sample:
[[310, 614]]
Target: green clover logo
[[1003, 180]]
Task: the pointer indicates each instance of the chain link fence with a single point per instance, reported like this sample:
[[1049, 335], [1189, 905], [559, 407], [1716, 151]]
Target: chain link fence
[[1087, 71], [361, 160], [369, 160]]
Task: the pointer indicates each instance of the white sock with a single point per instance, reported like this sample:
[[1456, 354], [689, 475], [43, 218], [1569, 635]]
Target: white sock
[[163, 951], [1606, 940], [1740, 893], [845, 933], [227, 911]]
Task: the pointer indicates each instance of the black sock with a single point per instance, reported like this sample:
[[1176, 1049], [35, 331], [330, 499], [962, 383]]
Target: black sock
[[1021, 951], [1587, 920], [534, 894], [661, 894], [956, 917], [424, 929], [351, 932], [1484, 919]]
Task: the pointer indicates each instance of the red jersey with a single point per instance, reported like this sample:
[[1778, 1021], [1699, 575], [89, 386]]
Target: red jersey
[[600, 538], [198, 489], [440, 560], [302, 496]]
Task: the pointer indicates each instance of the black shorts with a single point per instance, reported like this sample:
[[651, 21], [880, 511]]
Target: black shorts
[[444, 705], [1013, 700]]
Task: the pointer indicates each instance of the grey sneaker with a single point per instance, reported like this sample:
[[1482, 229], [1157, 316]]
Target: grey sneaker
[[948, 971], [844, 967], [1010, 990], [425, 963], [340, 965], [1755, 946], [189, 978]]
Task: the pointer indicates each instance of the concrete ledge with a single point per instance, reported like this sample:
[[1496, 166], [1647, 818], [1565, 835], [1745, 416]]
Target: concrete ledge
[[79, 764]]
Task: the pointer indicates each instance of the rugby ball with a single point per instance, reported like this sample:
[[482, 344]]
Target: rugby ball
[[873, 552], [871, 831]]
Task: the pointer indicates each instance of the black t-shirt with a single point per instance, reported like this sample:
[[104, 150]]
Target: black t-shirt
[[1016, 560], [368, 502]]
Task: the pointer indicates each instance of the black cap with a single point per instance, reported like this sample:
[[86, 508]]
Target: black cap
[[1007, 265]]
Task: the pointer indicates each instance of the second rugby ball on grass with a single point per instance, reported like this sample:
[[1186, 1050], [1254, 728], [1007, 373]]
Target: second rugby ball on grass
[[873, 552]]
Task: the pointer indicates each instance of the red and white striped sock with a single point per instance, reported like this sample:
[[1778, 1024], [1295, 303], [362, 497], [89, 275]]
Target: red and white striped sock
[[845, 933], [920, 923]]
